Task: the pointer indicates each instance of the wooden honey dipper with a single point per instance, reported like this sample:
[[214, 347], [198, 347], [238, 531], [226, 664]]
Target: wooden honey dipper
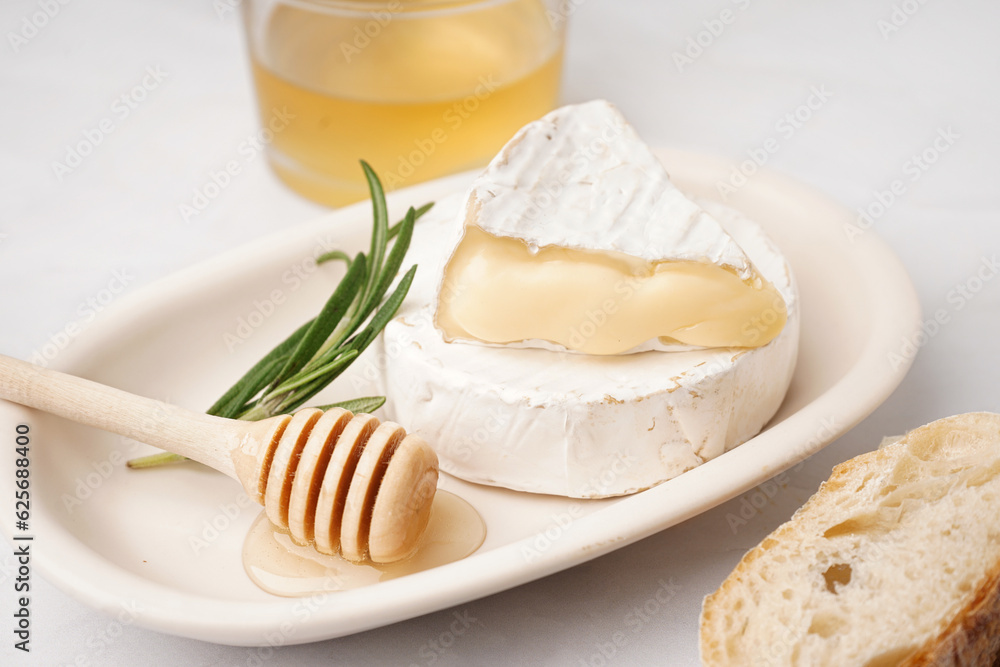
[[341, 482]]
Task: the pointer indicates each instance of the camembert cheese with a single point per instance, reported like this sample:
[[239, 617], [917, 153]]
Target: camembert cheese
[[578, 425]]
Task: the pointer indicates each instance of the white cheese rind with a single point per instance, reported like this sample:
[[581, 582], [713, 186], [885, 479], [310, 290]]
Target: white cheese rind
[[570, 424], [580, 177]]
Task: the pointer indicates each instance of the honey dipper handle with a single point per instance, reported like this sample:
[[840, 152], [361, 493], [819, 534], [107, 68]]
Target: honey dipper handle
[[198, 436]]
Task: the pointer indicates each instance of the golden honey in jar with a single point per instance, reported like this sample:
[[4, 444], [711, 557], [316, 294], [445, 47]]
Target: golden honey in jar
[[419, 89]]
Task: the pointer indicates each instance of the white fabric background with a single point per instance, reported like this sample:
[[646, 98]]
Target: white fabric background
[[890, 93]]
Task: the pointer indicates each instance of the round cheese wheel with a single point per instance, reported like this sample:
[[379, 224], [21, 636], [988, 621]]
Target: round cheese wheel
[[572, 424]]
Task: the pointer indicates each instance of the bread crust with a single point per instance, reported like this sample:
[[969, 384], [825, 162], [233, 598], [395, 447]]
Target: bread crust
[[972, 639]]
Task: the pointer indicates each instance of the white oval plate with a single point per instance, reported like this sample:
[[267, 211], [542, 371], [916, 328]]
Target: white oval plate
[[168, 541]]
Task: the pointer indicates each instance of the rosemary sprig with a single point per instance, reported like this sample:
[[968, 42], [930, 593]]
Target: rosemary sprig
[[320, 350]]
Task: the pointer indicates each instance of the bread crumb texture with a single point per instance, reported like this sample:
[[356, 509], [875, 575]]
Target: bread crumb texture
[[894, 561]]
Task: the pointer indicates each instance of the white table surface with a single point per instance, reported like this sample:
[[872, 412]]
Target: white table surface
[[891, 89]]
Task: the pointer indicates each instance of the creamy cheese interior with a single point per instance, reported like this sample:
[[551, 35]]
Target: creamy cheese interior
[[499, 290]]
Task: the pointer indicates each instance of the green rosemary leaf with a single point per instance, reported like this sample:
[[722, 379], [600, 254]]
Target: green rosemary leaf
[[385, 313], [300, 379], [380, 231], [384, 279], [366, 404], [359, 342], [247, 390], [395, 258], [303, 394], [363, 307], [291, 400], [334, 255], [258, 376], [363, 310], [155, 460], [336, 306], [394, 230]]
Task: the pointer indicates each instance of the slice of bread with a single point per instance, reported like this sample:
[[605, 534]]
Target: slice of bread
[[894, 561]]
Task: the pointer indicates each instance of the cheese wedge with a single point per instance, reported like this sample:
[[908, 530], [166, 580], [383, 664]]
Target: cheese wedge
[[575, 239], [578, 425]]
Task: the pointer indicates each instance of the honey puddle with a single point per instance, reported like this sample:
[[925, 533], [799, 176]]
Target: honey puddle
[[279, 566]]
